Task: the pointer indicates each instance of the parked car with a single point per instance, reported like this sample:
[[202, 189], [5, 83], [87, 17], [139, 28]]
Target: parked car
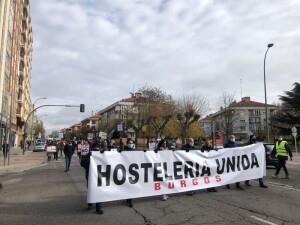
[[40, 146], [271, 160]]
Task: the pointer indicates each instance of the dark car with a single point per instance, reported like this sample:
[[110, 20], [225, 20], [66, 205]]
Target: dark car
[[271, 160]]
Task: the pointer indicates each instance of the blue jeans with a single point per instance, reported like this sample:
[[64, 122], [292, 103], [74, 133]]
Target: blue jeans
[[68, 162]]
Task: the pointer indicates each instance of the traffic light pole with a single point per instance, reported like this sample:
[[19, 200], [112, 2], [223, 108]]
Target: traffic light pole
[[81, 106]]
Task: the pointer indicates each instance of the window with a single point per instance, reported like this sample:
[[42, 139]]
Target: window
[[243, 128], [257, 112]]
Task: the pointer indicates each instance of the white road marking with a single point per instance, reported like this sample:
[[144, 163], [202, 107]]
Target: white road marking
[[284, 186], [262, 220]]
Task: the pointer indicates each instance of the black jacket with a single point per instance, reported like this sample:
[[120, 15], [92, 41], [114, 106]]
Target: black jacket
[[69, 150]]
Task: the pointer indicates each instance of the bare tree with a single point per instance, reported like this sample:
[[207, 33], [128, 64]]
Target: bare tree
[[191, 106], [228, 114], [159, 107]]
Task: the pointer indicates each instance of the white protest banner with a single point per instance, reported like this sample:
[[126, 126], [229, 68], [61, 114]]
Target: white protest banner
[[85, 149], [51, 148], [133, 174]]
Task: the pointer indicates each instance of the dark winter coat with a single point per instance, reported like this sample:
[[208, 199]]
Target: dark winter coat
[[69, 150]]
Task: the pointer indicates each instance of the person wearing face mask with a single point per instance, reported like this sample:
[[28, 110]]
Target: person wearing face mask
[[252, 140], [282, 151], [68, 151], [232, 144], [129, 147], [189, 146]]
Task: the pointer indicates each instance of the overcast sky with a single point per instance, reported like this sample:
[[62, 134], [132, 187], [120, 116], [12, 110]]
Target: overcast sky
[[96, 52]]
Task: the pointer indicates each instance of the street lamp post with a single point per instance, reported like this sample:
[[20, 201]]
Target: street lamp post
[[33, 118], [266, 108]]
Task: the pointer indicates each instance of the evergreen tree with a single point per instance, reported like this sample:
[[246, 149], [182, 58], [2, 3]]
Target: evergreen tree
[[289, 114]]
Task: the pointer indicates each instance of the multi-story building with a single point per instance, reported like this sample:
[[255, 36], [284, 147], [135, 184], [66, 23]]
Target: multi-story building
[[247, 117], [116, 114], [15, 67]]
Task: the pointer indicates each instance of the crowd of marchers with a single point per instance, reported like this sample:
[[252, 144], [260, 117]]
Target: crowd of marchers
[[83, 149]]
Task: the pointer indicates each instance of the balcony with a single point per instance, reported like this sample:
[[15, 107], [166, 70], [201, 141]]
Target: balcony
[[20, 85], [26, 3]]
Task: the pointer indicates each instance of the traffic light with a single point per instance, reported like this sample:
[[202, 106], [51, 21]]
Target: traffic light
[[81, 107]]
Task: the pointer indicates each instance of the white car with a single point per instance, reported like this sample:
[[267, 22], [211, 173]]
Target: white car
[[40, 146]]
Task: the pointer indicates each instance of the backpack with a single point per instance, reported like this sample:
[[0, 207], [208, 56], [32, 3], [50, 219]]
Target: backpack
[[84, 162]]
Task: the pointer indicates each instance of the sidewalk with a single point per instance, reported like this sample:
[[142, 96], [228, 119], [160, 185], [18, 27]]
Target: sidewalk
[[19, 162]]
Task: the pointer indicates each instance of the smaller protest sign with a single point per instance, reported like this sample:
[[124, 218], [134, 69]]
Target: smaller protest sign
[[85, 149], [51, 148]]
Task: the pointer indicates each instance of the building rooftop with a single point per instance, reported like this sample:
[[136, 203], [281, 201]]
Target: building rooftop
[[246, 102]]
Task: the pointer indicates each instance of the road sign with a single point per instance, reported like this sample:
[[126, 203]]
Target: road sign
[[294, 134], [294, 129], [120, 127]]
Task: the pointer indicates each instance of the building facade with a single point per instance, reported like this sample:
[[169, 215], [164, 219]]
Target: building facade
[[247, 117], [15, 68]]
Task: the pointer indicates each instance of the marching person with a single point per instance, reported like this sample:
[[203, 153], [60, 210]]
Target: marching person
[[282, 151], [48, 152], [232, 144], [68, 151], [5, 148], [252, 140], [189, 146], [162, 145], [55, 154], [207, 147], [129, 147], [86, 159]]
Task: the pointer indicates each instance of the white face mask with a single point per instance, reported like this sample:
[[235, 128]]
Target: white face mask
[[279, 139], [232, 139], [130, 145], [191, 143]]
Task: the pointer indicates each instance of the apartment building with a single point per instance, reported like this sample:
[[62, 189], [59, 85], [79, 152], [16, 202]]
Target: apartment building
[[247, 117], [15, 68], [116, 114]]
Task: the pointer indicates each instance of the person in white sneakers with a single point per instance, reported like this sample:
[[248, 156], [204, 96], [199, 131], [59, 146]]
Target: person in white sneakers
[[162, 145]]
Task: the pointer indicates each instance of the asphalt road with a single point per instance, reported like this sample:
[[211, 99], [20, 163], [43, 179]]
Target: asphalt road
[[48, 195]]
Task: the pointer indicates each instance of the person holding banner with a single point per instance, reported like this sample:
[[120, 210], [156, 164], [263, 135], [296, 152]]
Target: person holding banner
[[68, 151], [207, 147], [282, 151], [232, 144], [162, 145], [86, 158], [260, 180], [129, 147], [189, 146]]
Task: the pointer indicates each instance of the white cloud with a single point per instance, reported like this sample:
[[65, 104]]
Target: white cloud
[[93, 52]]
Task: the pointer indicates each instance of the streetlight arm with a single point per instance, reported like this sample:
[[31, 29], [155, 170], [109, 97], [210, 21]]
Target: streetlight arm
[[34, 111], [266, 109]]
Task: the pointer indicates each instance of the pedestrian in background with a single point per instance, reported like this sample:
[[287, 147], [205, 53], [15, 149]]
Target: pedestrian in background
[[252, 140], [282, 151], [55, 154], [232, 144], [68, 151], [5, 149]]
